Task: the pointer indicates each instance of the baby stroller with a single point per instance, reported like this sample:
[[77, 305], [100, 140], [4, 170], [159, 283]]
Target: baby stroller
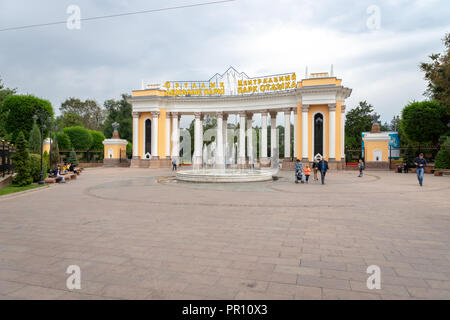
[[299, 175]]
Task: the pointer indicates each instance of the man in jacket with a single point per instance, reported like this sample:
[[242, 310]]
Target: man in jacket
[[323, 168], [420, 163]]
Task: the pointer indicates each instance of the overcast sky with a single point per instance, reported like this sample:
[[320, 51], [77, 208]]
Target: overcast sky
[[108, 57]]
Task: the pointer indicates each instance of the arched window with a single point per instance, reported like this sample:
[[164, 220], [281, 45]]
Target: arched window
[[148, 136], [318, 134]]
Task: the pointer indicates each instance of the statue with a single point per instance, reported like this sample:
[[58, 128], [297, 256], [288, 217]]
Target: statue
[[116, 126], [375, 118]]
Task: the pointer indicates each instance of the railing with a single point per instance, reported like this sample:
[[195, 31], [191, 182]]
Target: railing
[[87, 156], [6, 153]]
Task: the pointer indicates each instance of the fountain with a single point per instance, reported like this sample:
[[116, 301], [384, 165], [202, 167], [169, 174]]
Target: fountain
[[212, 172]]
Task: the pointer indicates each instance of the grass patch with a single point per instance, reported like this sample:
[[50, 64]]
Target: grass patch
[[14, 189]]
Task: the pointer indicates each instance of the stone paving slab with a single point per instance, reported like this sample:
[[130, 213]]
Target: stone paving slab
[[135, 237]]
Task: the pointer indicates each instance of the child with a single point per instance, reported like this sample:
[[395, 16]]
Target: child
[[361, 167], [307, 173]]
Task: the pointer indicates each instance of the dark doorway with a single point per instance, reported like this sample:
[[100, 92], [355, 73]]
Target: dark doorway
[[318, 134], [148, 136]]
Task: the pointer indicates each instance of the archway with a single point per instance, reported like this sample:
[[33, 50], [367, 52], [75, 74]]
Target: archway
[[318, 134], [148, 136]]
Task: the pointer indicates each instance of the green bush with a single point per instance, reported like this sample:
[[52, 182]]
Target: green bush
[[442, 160], [22, 162], [80, 138], [129, 150], [47, 160], [63, 142], [97, 140], [21, 109], [35, 166], [73, 158]]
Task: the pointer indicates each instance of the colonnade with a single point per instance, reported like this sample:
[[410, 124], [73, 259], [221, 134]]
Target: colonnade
[[246, 152]]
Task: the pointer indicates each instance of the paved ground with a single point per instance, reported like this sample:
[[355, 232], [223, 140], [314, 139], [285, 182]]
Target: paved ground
[[135, 237]]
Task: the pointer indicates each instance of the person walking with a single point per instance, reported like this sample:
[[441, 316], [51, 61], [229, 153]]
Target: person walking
[[298, 171], [323, 168], [361, 167], [174, 164], [315, 168], [420, 163], [307, 173]]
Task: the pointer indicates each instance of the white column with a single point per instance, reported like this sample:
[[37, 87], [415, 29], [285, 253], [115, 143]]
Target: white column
[[225, 138], [136, 116], [198, 140], [343, 132], [155, 120], [332, 131], [287, 133], [219, 140], [264, 135], [305, 110], [273, 134], [175, 135], [250, 139], [167, 135], [295, 133], [242, 121]]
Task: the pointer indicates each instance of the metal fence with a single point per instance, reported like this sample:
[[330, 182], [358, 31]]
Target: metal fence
[[6, 153], [405, 154], [83, 156]]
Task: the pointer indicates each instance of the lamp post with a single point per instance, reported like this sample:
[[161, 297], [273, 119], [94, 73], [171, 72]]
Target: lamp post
[[42, 118]]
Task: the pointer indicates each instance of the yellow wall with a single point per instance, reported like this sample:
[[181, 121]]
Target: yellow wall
[[338, 130], [143, 93], [144, 115], [116, 151], [371, 146], [312, 110], [299, 131], [46, 147], [319, 82], [162, 134]]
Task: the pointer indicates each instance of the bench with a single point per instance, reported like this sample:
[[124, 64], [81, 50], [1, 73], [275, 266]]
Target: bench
[[53, 180], [441, 172]]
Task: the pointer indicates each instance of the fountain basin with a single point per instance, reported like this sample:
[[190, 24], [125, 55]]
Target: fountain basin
[[224, 175]]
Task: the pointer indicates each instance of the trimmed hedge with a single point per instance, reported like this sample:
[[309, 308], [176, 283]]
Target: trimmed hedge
[[80, 138], [97, 140], [63, 141], [21, 109]]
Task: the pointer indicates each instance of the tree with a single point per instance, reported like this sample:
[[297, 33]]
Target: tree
[[73, 157], [97, 140], [424, 122], [75, 112], [4, 93], [120, 112], [437, 73], [442, 160], [35, 167], [69, 119], [21, 109], [34, 143], [63, 141], [22, 162], [358, 120], [80, 138]]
